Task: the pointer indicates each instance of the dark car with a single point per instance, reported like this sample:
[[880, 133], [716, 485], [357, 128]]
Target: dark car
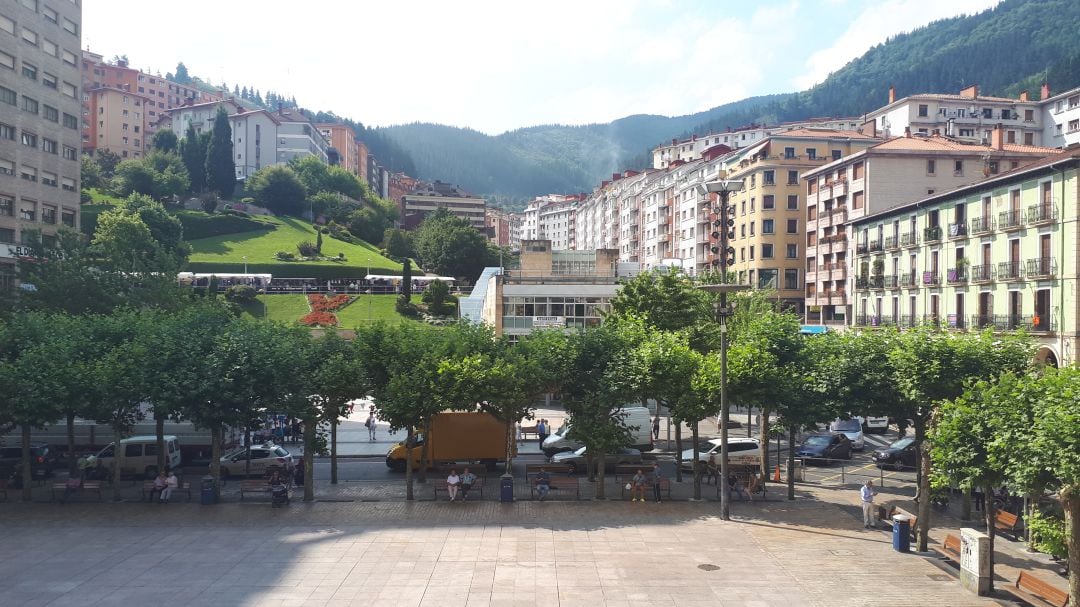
[[899, 455], [824, 447], [577, 462], [42, 460]]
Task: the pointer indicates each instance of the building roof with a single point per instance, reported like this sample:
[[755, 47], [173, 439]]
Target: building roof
[[939, 143], [822, 132], [112, 89], [1042, 164]]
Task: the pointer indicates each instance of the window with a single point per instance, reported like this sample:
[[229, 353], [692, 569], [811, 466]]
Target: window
[[28, 173], [958, 167], [7, 209], [1074, 125], [8, 96], [789, 153], [50, 113], [1029, 138], [987, 112], [29, 36], [48, 179], [50, 146], [792, 177], [70, 121], [27, 213], [811, 153], [69, 57], [7, 25], [766, 251], [7, 132], [70, 153], [793, 226], [67, 184], [6, 234], [857, 171], [793, 202], [769, 178], [7, 167], [29, 71], [49, 14], [924, 110], [791, 279], [29, 104], [67, 218], [48, 215], [48, 80], [767, 227], [1010, 137], [751, 252], [792, 251], [29, 139], [7, 60], [837, 154], [967, 132], [30, 4], [70, 90], [768, 201], [71, 27]]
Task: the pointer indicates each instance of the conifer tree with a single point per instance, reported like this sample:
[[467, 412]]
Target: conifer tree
[[191, 151], [220, 168]]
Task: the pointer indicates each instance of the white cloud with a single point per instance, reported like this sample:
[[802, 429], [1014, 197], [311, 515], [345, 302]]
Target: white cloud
[[874, 25]]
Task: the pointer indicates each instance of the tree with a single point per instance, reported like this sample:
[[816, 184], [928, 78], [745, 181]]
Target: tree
[[181, 76], [317, 176], [193, 152], [397, 243], [368, 223], [90, 172], [438, 299], [666, 300], [159, 174], [164, 140], [338, 378], [140, 235], [450, 246], [220, 167], [278, 189], [107, 160]]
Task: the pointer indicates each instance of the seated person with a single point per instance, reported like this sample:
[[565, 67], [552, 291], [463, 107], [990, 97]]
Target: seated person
[[160, 484], [467, 480], [452, 483], [712, 470], [71, 486], [737, 488], [543, 484]]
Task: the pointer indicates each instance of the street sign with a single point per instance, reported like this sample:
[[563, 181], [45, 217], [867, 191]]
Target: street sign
[[548, 321]]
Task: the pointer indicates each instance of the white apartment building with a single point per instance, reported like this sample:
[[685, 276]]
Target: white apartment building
[[1061, 119], [551, 217]]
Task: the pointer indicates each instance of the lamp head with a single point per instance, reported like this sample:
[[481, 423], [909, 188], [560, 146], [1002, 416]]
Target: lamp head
[[724, 185]]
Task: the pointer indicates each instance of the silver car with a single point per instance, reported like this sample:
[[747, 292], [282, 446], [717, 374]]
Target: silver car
[[263, 457], [851, 428], [576, 459]]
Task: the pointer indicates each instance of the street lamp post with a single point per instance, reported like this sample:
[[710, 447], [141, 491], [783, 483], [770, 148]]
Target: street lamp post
[[245, 264], [724, 258]]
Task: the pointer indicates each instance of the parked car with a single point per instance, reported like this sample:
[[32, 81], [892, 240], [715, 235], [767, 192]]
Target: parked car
[[875, 425], [263, 457], [835, 445], [851, 428], [138, 455], [42, 460], [577, 461], [901, 454], [741, 451], [635, 418]]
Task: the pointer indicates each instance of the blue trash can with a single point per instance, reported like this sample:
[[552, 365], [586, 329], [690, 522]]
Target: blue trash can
[[207, 495], [901, 533], [506, 488]]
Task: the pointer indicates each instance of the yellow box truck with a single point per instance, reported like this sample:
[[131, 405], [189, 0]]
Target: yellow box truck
[[457, 437]]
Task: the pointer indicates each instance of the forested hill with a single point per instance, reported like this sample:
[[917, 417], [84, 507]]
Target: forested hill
[[1016, 45]]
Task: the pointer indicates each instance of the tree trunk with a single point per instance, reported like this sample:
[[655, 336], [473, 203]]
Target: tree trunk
[[73, 462], [965, 513], [1070, 499], [117, 454], [27, 471], [311, 424], [508, 466], [600, 476], [408, 463], [923, 523], [678, 451], [159, 434], [215, 457], [764, 440], [425, 452], [697, 463], [333, 450], [990, 512], [790, 463], [247, 445]]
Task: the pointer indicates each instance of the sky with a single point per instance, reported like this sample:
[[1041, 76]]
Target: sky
[[499, 65]]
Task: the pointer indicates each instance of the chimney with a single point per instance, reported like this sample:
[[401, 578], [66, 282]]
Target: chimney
[[1025, 96], [970, 92], [674, 142], [997, 137], [1045, 91], [279, 109], [907, 132], [892, 94], [615, 176]]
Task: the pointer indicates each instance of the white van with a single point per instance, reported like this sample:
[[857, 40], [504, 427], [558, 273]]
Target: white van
[[636, 418], [139, 454]]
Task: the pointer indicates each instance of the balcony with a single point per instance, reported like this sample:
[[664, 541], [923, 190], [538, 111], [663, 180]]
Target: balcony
[[958, 230], [891, 282], [931, 279], [838, 271], [956, 276], [892, 242], [1010, 270], [811, 250], [997, 322], [876, 246], [906, 321], [869, 282], [932, 234], [825, 220], [862, 249], [663, 237], [982, 274], [1041, 267], [1011, 220], [837, 298], [982, 225], [1039, 323], [874, 320], [1041, 214], [909, 280], [911, 239]]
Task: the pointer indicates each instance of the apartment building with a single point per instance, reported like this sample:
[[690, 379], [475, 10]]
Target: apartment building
[[770, 230], [1000, 254], [297, 137], [503, 228], [427, 198], [1061, 118], [883, 176], [119, 118], [552, 217], [39, 124], [966, 116], [686, 150], [344, 143]]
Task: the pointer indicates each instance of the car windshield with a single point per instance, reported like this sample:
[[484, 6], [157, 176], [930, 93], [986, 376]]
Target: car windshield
[[902, 443], [847, 425], [817, 440], [280, 452]]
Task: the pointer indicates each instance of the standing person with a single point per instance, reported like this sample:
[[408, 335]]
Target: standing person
[[637, 487], [657, 481], [656, 427], [866, 494], [452, 483], [171, 483], [467, 480], [543, 484], [370, 425], [541, 430]]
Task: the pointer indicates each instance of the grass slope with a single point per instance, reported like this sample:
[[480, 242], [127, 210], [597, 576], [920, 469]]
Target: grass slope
[[226, 252], [363, 309]]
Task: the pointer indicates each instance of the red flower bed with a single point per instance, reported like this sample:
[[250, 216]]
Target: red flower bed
[[322, 303], [319, 318]]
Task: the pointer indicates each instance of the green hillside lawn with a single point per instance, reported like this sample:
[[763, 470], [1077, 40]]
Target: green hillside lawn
[[289, 309], [225, 253]]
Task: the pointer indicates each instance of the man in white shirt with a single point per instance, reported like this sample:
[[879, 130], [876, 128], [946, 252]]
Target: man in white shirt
[[867, 493]]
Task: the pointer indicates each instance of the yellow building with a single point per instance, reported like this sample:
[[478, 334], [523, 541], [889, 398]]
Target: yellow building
[[770, 230]]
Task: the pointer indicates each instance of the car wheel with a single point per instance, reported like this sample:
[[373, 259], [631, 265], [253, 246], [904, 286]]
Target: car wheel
[[150, 473]]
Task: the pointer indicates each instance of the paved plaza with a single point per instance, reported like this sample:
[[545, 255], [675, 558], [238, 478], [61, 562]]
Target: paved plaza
[[561, 553]]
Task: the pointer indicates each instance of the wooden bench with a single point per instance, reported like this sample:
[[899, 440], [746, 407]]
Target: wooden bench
[[950, 549], [86, 487], [559, 483], [1036, 591], [256, 486], [182, 486], [751, 482], [532, 469], [1006, 522], [665, 488], [626, 472], [886, 516], [439, 484], [526, 431]]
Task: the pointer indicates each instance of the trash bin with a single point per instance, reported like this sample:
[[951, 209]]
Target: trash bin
[[506, 488], [207, 495], [901, 533]]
